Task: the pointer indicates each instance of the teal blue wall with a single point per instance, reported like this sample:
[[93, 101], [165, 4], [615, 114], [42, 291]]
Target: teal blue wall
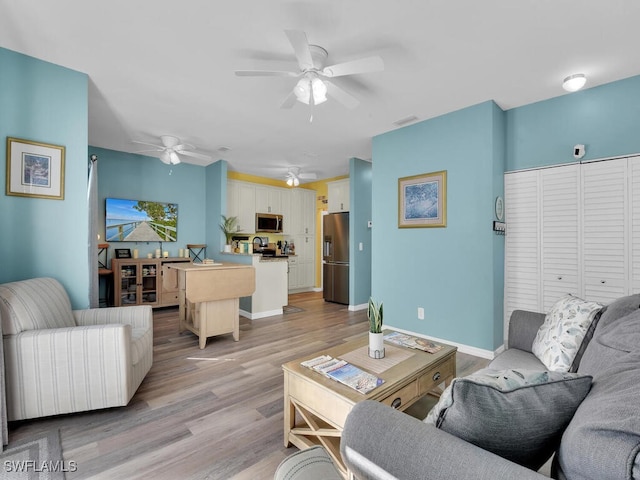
[[499, 144], [606, 119], [360, 174], [451, 271], [139, 177], [216, 205], [47, 103]]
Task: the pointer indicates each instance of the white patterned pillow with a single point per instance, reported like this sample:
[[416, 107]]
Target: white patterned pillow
[[560, 336]]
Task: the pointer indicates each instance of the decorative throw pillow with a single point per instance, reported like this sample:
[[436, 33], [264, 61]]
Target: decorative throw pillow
[[560, 336], [517, 414]]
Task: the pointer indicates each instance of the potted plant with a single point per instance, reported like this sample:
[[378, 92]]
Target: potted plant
[[228, 226], [376, 338]]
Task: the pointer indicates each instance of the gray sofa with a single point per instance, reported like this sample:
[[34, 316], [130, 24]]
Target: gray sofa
[[601, 441]]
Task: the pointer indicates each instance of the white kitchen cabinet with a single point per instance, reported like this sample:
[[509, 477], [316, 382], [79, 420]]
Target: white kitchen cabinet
[[246, 208], [268, 199], [572, 229], [293, 272], [303, 211], [286, 211], [240, 204], [338, 196], [308, 198], [303, 276]]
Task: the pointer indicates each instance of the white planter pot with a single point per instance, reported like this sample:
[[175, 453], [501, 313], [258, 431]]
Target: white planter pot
[[376, 345], [227, 249]]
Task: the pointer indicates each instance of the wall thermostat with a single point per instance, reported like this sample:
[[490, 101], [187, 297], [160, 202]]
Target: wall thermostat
[[579, 151]]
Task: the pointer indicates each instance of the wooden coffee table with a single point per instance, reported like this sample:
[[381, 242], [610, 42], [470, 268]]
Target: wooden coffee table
[[316, 407]]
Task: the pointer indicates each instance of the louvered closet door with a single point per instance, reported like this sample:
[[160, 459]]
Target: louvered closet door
[[559, 239], [522, 275], [634, 215], [604, 192]]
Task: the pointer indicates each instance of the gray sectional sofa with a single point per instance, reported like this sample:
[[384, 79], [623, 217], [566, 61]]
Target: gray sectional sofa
[[601, 440]]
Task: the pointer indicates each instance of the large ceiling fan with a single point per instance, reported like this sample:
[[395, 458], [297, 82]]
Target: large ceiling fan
[[172, 148], [313, 86]]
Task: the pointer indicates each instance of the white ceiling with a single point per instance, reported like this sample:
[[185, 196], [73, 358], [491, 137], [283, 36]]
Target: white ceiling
[[167, 67]]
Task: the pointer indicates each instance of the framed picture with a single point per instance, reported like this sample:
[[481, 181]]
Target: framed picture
[[123, 253], [422, 200], [35, 169]]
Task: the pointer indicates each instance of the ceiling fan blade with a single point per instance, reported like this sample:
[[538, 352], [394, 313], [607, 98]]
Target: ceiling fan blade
[[147, 151], [300, 46], [189, 153], [290, 101], [343, 97], [183, 146], [364, 65], [308, 176], [159, 147], [265, 73]]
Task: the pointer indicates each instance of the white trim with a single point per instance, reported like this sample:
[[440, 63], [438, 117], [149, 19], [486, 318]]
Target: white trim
[[478, 352], [256, 316], [355, 308], [604, 159]]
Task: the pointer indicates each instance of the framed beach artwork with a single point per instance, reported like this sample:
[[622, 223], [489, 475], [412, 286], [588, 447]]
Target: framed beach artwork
[[35, 169], [422, 200]]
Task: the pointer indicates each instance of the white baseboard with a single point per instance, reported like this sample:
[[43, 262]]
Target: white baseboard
[[355, 308], [478, 352], [258, 315]]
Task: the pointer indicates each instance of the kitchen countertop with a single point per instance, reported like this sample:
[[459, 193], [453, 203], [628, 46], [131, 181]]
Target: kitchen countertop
[[260, 257]]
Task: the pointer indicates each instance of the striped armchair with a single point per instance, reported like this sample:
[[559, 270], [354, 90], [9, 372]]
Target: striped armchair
[[62, 361]]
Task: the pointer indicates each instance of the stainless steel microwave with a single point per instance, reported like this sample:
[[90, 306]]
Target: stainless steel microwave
[[268, 222]]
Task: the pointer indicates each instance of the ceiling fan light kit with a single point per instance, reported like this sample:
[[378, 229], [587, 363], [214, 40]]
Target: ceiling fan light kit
[[312, 88], [294, 175]]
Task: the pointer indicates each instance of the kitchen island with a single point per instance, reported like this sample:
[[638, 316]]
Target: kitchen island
[[209, 296], [272, 284]]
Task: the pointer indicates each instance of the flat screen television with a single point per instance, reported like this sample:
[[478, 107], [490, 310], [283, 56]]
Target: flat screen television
[[140, 221]]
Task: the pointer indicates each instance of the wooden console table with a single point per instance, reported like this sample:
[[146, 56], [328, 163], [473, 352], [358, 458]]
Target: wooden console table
[[316, 407], [209, 297]]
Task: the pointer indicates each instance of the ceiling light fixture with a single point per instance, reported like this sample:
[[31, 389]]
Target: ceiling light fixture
[[292, 177], [311, 87], [575, 82], [173, 157]]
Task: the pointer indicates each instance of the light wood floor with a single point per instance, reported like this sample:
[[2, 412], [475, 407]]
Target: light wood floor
[[215, 413]]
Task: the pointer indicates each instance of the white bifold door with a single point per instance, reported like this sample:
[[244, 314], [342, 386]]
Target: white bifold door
[[572, 229]]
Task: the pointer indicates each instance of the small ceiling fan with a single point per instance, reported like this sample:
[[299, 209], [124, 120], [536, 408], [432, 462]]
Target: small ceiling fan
[[172, 148], [313, 86], [294, 176]]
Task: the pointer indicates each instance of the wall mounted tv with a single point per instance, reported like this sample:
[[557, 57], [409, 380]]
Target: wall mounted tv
[[140, 221]]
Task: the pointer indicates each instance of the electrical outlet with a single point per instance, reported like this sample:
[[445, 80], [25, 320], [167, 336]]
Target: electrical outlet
[[420, 313]]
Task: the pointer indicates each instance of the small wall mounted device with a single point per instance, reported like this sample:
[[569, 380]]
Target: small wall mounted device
[[579, 151]]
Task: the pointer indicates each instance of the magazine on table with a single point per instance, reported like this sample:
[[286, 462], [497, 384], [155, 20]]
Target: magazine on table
[[344, 372], [410, 341]]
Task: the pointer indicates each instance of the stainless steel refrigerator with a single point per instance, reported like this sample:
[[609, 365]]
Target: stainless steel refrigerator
[[335, 257]]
